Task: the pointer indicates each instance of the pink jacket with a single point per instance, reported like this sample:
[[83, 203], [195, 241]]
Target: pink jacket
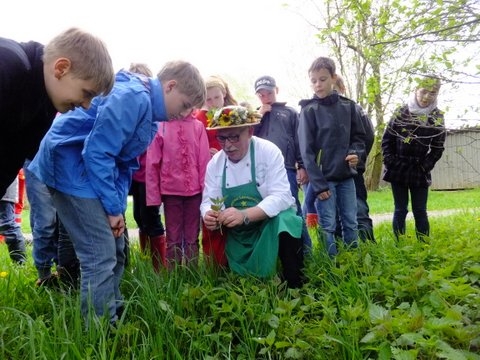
[[139, 175], [177, 160]]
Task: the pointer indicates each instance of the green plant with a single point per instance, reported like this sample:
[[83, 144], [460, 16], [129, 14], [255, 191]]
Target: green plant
[[389, 300]]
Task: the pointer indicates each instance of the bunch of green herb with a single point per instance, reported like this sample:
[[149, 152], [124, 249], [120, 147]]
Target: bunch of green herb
[[217, 204]]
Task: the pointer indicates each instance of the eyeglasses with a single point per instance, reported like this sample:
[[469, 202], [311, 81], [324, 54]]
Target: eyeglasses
[[231, 138]]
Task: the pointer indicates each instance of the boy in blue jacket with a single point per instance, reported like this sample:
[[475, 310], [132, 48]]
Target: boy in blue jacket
[[331, 141], [87, 159]]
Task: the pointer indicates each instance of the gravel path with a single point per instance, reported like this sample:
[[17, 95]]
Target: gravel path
[[379, 218], [376, 218]]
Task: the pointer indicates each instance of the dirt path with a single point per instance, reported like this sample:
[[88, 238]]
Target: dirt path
[[376, 218], [379, 218]]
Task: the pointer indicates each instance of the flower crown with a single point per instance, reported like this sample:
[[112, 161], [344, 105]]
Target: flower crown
[[231, 116]]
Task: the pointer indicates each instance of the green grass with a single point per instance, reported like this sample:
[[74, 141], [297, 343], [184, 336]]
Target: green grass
[[405, 300], [380, 202]]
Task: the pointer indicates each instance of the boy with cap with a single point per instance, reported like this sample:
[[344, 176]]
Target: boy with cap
[[279, 124]]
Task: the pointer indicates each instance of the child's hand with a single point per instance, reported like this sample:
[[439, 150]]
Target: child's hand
[[324, 195], [352, 160], [213, 151], [302, 177], [265, 108], [117, 224]]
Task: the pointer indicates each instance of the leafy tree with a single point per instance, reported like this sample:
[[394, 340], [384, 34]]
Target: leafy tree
[[382, 46]]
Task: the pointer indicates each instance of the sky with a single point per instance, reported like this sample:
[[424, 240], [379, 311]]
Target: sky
[[241, 40], [238, 40]]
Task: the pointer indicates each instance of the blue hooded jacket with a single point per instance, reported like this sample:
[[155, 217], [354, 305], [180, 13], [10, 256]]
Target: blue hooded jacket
[[93, 153]]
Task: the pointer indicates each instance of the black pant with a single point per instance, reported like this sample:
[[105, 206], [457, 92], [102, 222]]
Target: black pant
[[147, 217], [290, 251], [419, 197]]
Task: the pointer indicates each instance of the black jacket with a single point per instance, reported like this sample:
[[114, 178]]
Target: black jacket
[[411, 146], [329, 130], [26, 111], [280, 126], [368, 139]]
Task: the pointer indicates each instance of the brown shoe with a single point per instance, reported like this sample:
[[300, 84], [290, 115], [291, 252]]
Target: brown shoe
[[51, 281]]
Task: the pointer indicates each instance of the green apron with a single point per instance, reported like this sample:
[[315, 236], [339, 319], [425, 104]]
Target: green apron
[[253, 249]]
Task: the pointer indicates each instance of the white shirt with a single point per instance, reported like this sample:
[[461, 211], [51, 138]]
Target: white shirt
[[271, 177]]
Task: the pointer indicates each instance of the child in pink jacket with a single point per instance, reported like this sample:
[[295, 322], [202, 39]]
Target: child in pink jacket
[[175, 173]]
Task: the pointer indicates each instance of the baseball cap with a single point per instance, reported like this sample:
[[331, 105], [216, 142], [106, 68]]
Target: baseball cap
[[265, 82]]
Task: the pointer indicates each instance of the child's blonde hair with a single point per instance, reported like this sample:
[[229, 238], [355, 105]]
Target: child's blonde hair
[[88, 55], [216, 81], [188, 78], [340, 85], [140, 68]]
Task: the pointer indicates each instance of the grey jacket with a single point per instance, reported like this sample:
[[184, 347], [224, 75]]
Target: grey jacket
[[12, 192]]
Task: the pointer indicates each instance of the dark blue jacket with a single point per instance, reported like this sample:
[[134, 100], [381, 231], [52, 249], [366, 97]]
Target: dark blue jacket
[[280, 126]]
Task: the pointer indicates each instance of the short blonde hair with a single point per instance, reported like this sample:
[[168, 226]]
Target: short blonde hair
[[188, 78], [89, 57], [216, 81], [140, 68], [340, 85]]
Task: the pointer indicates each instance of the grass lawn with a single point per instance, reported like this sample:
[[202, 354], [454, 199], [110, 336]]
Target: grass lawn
[[380, 202], [405, 300]]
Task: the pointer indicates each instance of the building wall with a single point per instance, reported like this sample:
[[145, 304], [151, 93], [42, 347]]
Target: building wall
[[459, 167]]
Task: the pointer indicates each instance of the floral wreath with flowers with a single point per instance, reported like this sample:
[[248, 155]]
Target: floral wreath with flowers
[[231, 116]]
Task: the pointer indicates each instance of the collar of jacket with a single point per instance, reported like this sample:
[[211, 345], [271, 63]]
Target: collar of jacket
[[158, 101], [328, 100]]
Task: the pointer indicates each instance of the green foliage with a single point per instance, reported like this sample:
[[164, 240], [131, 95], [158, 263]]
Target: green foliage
[[389, 300]]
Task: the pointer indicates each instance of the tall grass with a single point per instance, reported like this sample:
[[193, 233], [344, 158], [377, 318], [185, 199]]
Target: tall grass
[[405, 300]]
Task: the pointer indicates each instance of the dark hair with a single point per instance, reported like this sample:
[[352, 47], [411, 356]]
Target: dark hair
[[323, 63]]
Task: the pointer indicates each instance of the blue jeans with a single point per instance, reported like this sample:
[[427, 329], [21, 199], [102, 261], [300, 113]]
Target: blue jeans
[[292, 179], [12, 231], [419, 196], [101, 256], [51, 242], [343, 197], [43, 222]]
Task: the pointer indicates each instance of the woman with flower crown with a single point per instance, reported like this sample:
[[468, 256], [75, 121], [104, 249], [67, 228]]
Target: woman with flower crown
[[258, 214]]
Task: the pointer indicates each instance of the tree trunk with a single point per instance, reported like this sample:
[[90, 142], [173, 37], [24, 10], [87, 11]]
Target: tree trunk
[[373, 171]]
